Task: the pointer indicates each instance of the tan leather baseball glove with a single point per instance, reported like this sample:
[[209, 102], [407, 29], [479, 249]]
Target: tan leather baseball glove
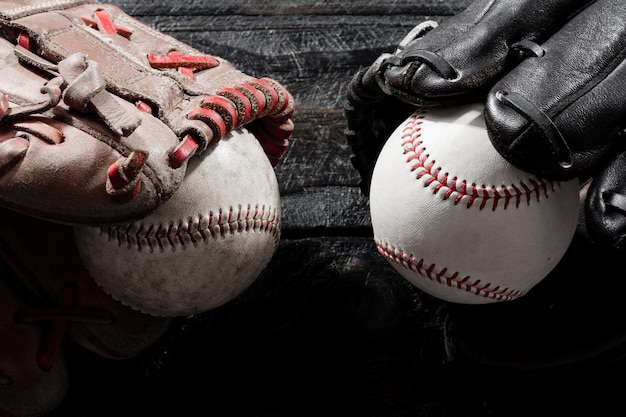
[[100, 113]]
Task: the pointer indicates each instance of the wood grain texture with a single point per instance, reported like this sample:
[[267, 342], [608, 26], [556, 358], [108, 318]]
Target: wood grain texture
[[329, 328], [313, 48]]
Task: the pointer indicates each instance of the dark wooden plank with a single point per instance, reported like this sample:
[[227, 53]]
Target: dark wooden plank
[[314, 56], [319, 155], [314, 49], [329, 328], [326, 211], [293, 7], [318, 184]]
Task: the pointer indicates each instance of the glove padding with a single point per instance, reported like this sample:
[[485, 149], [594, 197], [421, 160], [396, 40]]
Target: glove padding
[[99, 113], [551, 73]]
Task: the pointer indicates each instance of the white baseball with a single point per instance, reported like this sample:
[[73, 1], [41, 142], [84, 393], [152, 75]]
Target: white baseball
[[204, 246], [460, 222]]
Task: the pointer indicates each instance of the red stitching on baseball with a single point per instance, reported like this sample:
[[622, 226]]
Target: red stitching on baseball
[[483, 195], [454, 280], [235, 220]]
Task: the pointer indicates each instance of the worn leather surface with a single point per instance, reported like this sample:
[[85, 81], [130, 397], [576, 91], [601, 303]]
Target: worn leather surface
[[477, 43], [54, 163], [578, 84], [105, 66]]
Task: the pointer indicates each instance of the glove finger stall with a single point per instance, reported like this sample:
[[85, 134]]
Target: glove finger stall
[[54, 163], [144, 66], [558, 116], [605, 205], [457, 60], [450, 63]]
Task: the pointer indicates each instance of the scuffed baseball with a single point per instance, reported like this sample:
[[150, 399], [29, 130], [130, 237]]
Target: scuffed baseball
[[460, 222], [204, 246]]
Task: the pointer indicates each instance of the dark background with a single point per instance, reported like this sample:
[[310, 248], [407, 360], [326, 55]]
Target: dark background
[[329, 329]]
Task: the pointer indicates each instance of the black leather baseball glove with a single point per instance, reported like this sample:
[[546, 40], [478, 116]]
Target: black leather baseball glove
[[552, 76]]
